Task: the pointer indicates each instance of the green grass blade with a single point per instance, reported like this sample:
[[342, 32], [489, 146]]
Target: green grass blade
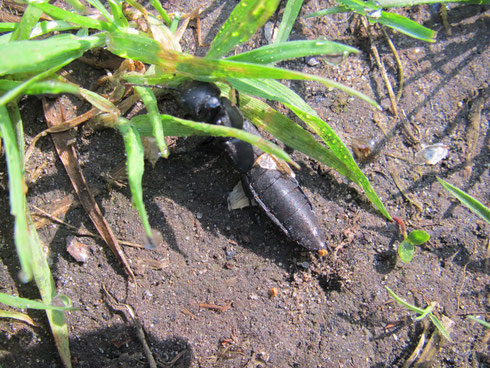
[[173, 126], [158, 7], [333, 10], [440, 326], [405, 25], [102, 10], [5, 26], [34, 56], [151, 104], [78, 6], [135, 164], [17, 190], [407, 305], [47, 289], [403, 3], [289, 17], [290, 133], [38, 88], [269, 89], [480, 321], [136, 47], [474, 205], [45, 27], [18, 302], [117, 13], [291, 50], [29, 19], [67, 16], [243, 22], [323, 130], [18, 316]]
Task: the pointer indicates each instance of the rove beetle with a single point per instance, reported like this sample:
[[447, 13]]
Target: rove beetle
[[270, 183]]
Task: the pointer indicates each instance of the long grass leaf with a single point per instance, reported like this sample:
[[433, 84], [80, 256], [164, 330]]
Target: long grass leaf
[[18, 316], [34, 56], [97, 4], [473, 204], [287, 22], [293, 49], [401, 301], [243, 22], [17, 190], [151, 104], [340, 150], [440, 327], [332, 10], [290, 133], [135, 164], [29, 19], [18, 302], [173, 126], [38, 88], [405, 25], [67, 16], [47, 289]]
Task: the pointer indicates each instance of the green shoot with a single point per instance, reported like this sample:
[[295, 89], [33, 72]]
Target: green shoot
[[474, 205], [480, 321], [427, 312]]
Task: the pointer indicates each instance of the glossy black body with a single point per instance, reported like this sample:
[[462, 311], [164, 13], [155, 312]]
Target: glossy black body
[[277, 192]]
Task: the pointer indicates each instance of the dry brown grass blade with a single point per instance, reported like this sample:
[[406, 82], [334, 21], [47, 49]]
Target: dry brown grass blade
[[55, 115]]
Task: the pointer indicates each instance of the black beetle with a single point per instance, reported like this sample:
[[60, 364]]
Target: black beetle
[[270, 183]]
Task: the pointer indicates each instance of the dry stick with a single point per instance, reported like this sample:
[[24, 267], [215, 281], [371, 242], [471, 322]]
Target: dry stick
[[397, 180], [382, 69], [54, 115], [127, 310], [398, 64], [77, 231]]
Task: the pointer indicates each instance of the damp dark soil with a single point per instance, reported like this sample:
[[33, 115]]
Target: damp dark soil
[[328, 312]]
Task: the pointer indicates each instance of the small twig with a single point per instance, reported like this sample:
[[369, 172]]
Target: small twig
[[382, 70], [128, 311], [398, 63], [188, 312], [81, 233], [215, 307], [397, 180]]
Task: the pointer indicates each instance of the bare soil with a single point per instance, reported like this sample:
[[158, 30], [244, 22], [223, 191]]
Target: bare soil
[[328, 312]]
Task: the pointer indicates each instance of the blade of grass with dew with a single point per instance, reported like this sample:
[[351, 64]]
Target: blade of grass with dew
[[404, 3], [151, 104], [28, 21], [67, 16], [407, 305], [287, 22], [49, 295], [33, 56], [176, 127], [269, 89], [21, 303], [376, 15], [17, 316], [332, 10], [474, 205], [405, 25], [17, 192], [290, 133], [291, 50], [17, 91], [149, 51], [243, 22], [135, 165], [324, 131]]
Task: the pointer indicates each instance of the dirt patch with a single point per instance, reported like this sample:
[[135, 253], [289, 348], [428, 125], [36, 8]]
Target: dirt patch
[[328, 312]]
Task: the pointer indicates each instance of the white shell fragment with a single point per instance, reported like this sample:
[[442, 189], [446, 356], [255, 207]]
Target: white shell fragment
[[238, 199], [77, 249], [432, 154]]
